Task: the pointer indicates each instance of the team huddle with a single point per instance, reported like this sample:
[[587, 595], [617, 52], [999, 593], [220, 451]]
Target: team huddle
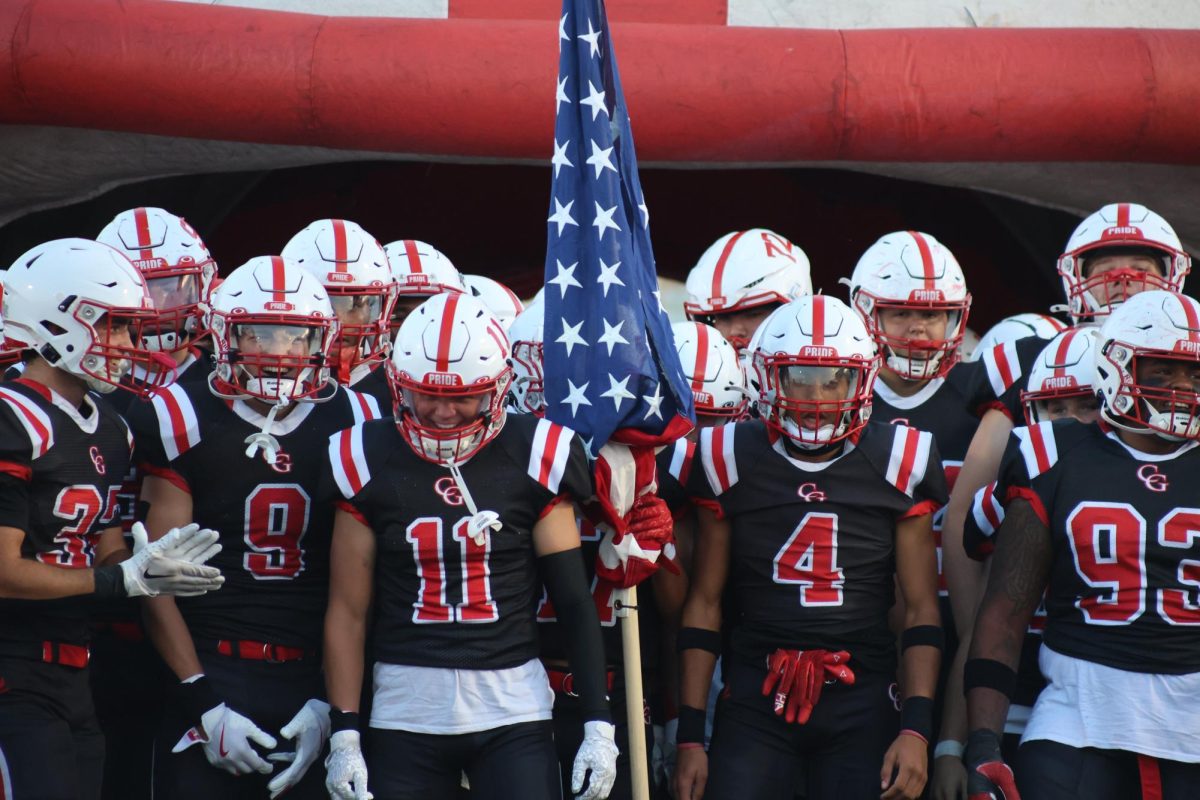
[[308, 529]]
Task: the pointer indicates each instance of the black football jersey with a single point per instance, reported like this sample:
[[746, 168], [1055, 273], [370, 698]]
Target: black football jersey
[[674, 463], [1006, 367], [441, 600], [812, 560], [374, 383], [273, 522], [1124, 588], [66, 465]]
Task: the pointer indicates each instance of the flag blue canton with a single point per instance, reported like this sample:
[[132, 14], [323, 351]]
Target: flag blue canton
[[609, 356]]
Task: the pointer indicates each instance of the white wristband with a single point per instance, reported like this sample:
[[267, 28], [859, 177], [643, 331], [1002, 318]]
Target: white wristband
[[948, 747]]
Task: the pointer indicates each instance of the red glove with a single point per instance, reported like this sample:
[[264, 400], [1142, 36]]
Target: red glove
[[988, 777], [647, 543], [797, 677]]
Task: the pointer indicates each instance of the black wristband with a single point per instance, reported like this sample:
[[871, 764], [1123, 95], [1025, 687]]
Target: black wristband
[[342, 720], [197, 697], [691, 726], [928, 635], [917, 715], [110, 582], [698, 639], [987, 673]]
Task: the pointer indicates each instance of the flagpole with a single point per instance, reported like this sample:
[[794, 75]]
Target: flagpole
[[635, 713]]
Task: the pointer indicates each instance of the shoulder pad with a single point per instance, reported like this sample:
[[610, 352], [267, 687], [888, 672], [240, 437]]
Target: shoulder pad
[[348, 462], [178, 425], [1038, 446], [549, 453], [362, 405], [1003, 366], [908, 458], [33, 418], [679, 461], [717, 456]]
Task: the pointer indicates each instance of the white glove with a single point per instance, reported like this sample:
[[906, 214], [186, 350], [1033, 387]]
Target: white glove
[[309, 728], [173, 564], [597, 754], [345, 766], [227, 736]]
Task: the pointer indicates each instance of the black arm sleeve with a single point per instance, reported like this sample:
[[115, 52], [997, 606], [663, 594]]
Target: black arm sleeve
[[564, 577]]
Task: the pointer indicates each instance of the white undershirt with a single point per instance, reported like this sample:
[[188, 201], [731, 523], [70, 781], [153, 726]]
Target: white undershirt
[[1086, 704], [451, 701]]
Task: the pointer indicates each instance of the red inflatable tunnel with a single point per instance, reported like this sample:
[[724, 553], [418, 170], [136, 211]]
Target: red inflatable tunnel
[[476, 88]]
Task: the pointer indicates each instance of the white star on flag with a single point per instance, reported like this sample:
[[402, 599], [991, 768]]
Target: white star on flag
[[592, 37], [576, 397], [562, 215], [560, 96], [560, 159], [608, 276], [612, 335], [570, 336], [604, 220], [654, 401], [645, 213], [562, 31], [565, 278], [595, 100], [601, 159], [617, 390]]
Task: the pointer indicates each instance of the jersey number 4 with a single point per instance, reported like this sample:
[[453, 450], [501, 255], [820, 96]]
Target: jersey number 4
[[1108, 543], [809, 559], [276, 520], [425, 536]]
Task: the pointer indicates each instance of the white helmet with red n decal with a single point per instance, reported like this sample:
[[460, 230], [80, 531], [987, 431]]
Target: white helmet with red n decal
[[273, 328], [526, 334], [355, 272], [496, 296], [1065, 368], [177, 266], [815, 367], [914, 272], [1163, 327], [451, 347], [1119, 228], [744, 270], [713, 370], [1018, 326]]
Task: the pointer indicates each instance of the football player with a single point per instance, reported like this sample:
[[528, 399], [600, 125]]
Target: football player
[[420, 271], [741, 278], [811, 516], [355, 271], [499, 299], [245, 659], [81, 309], [1018, 326], [452, 517], [1101, 519]]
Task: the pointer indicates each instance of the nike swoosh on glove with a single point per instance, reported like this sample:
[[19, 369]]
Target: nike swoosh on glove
[[988, 777], [345, 769], [227, 736], [173, 564], [308, 729], [596, 761]]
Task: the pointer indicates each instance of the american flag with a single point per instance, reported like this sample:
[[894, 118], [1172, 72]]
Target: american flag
[[611, 370]]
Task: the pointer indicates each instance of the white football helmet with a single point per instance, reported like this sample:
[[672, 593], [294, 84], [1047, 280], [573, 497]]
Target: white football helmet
[[1066, 367], [355, 272], [450, 346], [713, 369], [1119, 227], [274, 328], [1018, 326], [72, 300], [744, 270], [496, 296], [915, 272], [526, 334], [1150, 325], [177, 266], [815, 366]]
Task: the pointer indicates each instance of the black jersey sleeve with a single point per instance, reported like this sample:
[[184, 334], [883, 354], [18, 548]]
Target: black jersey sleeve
[[163, 430], [674, 464], [25, 434], [983, 520], [557, 463], [713, 479], [908, 459], [347, 468]]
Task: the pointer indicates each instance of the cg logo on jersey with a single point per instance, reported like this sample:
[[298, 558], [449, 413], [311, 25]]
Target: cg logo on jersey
[[97, 459], [448, 490], [283, 463], [809, 493], [1155, 481]]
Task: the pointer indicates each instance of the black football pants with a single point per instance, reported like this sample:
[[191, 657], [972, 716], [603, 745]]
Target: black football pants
[[568, 735], [1048, 770]]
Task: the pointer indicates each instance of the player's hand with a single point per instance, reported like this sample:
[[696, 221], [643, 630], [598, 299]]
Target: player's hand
[[173, 564], [345, 769], [988, 777], [229, 738], [691, 773], [906, 759], [797, 677], [597, 756], [949, 780], [308, 729]]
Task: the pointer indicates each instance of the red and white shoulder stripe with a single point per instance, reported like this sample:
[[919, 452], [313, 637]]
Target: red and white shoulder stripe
[[1038, 447], [549, 455], [33, 418], [364, 406], [348, 461], [716, 454], [909, 458], [1003, 367], [178, 426], [682, 454], [987, 510]]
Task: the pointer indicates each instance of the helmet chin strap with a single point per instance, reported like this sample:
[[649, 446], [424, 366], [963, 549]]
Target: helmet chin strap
[[481, 521]]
